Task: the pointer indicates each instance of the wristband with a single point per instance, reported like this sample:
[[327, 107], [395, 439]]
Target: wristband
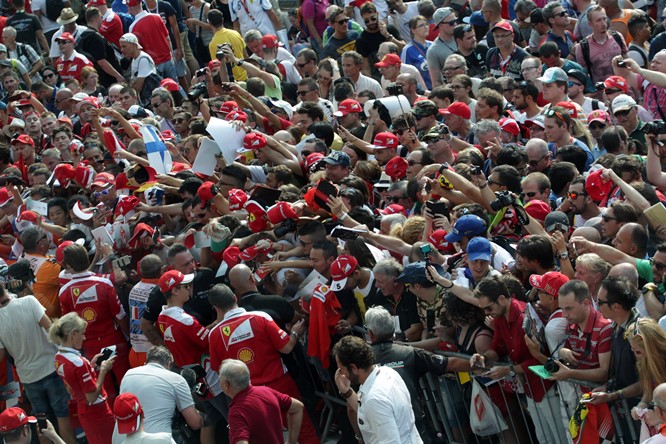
[[343, 217], [450, 286], [348, 393]]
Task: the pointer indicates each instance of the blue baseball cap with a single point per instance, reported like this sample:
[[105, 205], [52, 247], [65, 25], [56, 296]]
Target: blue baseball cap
[[476, 19], [479, 248], [415, 273], [466, 226]]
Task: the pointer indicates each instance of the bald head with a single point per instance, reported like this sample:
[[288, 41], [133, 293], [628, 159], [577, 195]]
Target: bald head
[[659, 396], [241, 280], [625, 271], [589, 233]]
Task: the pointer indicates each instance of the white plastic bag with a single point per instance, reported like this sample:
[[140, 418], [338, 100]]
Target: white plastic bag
[[484, 416]]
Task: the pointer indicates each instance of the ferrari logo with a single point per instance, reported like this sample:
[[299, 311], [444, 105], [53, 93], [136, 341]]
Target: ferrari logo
[[226, 330], [76, 292], [252, 217]]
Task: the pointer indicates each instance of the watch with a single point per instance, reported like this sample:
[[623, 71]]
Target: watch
[[511, 371], [648, 288], [563, 255]]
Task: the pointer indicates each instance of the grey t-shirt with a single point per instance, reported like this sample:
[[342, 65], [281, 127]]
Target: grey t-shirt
[[438, 53]]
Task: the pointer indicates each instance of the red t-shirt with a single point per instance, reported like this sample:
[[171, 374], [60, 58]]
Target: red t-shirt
[[78, 375], [268, 128], [597, 338], [71, 68], [153, 36], [252, 337], [112, 28], [94, 299], [183, 336], [255, 415]]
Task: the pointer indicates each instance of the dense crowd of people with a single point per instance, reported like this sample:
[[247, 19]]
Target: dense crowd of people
[[226, 222]]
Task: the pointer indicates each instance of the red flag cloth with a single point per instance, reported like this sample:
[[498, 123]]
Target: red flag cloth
[[22, 168], [111, 142], [324, 316], [591, 423]]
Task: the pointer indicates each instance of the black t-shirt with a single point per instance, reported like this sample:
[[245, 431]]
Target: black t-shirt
[[368, 44], [198, 305], [405, 308], [277, 307], [93, 45], [476, 62], [26, 26]]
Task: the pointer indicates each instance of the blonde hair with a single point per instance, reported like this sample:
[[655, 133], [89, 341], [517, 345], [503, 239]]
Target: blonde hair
[[651, 364], [411, 231], [63, 327], [594, 263]]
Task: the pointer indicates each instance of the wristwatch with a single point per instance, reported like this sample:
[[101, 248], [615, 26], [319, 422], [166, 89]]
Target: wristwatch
[[648, 288], [563, 255], [511, 371]]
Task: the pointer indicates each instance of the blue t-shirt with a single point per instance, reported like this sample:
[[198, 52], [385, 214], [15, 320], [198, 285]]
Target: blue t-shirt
[[415, 54]]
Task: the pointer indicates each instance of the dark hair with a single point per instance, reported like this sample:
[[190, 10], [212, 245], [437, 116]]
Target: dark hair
[[354, 350], [537, 248], [573, 154], [457, 311], [190, 185], [215, 18], [312, 227], [624, 212], [512, 155], [509, 177], [322, 130], [635, 22], [560, 174], [620, 291], [58, 202], [491, 287], [578, 288], [442, 92], [627, 164], [328, 248], [529, 88], [312, 109], [359, 249], [76, 256], [612, 138], [222, 297], [343, 91], [357, 183], [236, 174], [548, 49]]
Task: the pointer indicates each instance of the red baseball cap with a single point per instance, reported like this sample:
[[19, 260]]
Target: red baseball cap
[[348, 106], [573, 111], [269, 41], [60, 251], [396, 168], [24, 138], [393, 209], [237, 199], [104, 180], [207, 191], [5, 197], [170, 85], [94, 101], [280, 212], [598, 115], [312, 160], [172, 278], [257, 219], [254, 141], [538, 209], [168, 135], [341, 269], [385, 140], [510, 126], [214, 64], [13, 418], [438, 239], [140, 231], [230, 258], [617, 82], [236, 115], [26, 220], [128, 413], [229, 106], [459, 109], [65, 36], [389, 60], [133, 2], [503, 24], [550, 282], [598, 187]]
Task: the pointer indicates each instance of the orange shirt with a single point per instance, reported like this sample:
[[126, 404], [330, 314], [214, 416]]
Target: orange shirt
[[47, 284]]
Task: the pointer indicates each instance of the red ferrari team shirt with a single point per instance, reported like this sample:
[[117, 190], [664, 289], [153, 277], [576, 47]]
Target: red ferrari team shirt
[[111, 27], [70, 68], [94, 299], [153, 36], [252, 337], [183, 335], [78, 376]]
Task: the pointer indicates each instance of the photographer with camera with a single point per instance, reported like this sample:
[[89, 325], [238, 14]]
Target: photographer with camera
[[652, 82]]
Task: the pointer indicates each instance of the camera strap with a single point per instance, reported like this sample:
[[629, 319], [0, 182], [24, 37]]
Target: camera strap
[[656, 102]]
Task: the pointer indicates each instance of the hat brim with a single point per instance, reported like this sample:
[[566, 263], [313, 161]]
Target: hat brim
[[5, 203], [129, 426], [598, 119], [187, 278], [453, 237], [67, 21], [623, 108], [535, 122], [479, 256], [339, 285]]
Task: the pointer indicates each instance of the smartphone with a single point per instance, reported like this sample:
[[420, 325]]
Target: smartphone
[[201, 72], [344, 233], [41, 420], [437, 208], [107, 353]]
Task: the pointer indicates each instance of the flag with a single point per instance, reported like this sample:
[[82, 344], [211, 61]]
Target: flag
[[22, 168], [112, 144], [159, 156]]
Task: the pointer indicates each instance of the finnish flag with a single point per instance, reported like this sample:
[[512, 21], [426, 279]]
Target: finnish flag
[[159, 156]]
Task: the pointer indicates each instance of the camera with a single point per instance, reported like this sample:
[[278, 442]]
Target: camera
[[475, 170], [394, 89], [201, 72], [551, 365], [425, 251], [219, 54], [600, 86], [197, 90], [503, 200], [621, 64], [655, 127], [288, 226]]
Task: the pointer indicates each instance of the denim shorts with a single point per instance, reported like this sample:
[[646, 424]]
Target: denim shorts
[[48, 394]]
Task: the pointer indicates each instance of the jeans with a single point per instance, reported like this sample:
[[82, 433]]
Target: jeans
[[167, 69], [48, 394]]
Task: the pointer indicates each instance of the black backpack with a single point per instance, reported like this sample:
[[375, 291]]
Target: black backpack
[[54, 8], [585, 49]]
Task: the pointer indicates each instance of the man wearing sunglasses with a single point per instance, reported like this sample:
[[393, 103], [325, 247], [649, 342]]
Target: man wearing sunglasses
[[376, 32], [343, 39], [506, 58], [582, 205], [558, 19], [625, 111], [475, 55]]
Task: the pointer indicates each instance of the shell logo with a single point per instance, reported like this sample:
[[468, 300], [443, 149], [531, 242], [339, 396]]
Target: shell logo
[[89, 314], [246, 355]]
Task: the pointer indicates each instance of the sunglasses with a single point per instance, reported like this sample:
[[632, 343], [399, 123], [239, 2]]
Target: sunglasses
[[530, 194], [179, 120], [48, 76], [657, 265], [624, 113], [452, 68], [450, 23], [104, 192], [600, 302], [490, 182], [62, 42], [301, 65], [574, 195], [613, 91], [303, 93], [596, 126], [400, 132], [534, 163], [370, 19], [561, 14], [572, 84], [552, 113], [342, 21], [413, 162], [606, 218]]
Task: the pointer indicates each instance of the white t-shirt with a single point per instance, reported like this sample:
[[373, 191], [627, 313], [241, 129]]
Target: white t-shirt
[[370, 84], [47, 24], [55, 51], [402, 24], [149, 438], [142, 66], [25, 340], [252, 15]]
